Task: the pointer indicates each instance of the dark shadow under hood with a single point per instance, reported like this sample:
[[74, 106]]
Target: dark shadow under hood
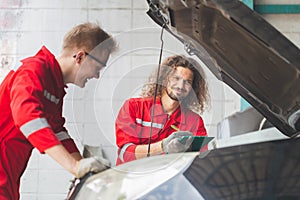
[[241, 49]]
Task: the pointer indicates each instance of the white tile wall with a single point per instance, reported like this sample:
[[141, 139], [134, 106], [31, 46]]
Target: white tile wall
[[106, 17], [90, 112], [115, 4]]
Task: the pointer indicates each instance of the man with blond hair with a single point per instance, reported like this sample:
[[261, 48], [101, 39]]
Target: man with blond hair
[[31, 100]]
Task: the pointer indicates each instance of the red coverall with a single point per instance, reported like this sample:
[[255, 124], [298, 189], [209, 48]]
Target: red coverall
[[31, 100], [133, 125]]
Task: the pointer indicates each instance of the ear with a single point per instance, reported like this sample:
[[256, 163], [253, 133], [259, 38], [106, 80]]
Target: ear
[[79, 56]]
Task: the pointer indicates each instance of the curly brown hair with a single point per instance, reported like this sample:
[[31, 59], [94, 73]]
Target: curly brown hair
[[198, 99]]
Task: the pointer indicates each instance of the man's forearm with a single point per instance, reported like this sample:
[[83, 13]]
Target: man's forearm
[[64, 158], [141, 151]]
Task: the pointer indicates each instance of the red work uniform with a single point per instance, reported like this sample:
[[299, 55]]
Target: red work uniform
[[31, 100], [134, 121]]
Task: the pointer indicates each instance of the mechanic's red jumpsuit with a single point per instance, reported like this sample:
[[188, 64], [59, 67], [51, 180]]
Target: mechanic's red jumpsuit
[[134, 121], [31, 102]]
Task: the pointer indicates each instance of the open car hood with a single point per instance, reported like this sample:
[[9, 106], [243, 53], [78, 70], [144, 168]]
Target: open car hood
[[261, 171], [242, 50]]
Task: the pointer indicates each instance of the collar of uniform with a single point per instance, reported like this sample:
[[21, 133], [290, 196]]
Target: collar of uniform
[[178, 115], [158, 108], [46, 57], [57, 70]]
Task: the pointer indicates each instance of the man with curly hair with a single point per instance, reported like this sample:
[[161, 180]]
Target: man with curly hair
[[182, 94]]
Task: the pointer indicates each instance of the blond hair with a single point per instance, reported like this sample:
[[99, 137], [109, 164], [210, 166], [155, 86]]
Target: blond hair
[[89, 36]]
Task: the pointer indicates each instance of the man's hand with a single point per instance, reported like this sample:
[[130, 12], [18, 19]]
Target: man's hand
[[175, 143], [93, 164]]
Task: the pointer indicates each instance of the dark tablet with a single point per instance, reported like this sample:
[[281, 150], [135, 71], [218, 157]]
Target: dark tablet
[[198, 142]]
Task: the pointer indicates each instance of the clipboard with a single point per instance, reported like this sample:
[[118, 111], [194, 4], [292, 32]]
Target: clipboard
[[198, 142]]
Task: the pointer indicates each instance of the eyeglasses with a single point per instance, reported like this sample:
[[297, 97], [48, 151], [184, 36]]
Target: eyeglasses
[[94, 58]]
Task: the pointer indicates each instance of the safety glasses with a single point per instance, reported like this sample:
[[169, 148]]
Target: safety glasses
[[96, 59], [103, 64]]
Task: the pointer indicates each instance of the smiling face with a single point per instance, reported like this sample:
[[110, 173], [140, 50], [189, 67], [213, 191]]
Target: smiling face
[[90, 66], [179, 83]]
